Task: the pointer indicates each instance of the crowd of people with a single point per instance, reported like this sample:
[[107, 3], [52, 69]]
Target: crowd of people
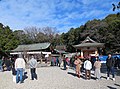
[[81, 65], [17, 66], [87, 65], [6, 63]]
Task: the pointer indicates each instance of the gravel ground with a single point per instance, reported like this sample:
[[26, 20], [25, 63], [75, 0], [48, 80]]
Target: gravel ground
[[56, 78]]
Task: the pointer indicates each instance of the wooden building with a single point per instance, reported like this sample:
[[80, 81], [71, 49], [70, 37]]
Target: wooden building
[[37, 49], [89, 47]]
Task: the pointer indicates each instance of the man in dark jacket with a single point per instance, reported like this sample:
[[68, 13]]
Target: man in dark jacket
[[110, 66]]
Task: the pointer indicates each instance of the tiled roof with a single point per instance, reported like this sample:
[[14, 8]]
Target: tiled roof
[[88, 42], [88, 39], [89, 45], [32, 47]]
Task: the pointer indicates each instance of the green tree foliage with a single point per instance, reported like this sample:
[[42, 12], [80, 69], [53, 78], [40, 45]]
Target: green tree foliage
[[22, 37], [7, 38], [105, 31]]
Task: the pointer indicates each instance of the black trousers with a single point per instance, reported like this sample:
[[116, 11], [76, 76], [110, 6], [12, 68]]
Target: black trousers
[[110, 69], [64, 64], [33, 73]]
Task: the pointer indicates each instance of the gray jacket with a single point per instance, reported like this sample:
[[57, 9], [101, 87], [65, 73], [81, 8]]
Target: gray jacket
[[33, 63]]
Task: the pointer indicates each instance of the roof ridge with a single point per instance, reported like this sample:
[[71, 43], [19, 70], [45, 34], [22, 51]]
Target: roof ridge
[[37, 46], [36, 43], [88, 39]]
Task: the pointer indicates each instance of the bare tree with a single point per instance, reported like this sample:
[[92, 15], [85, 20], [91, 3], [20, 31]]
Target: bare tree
[[45, 34], [32, 32]]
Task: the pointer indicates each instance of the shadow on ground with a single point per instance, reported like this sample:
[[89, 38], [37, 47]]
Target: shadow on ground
[[111, 87], [73, 74], [81, 76], [117, 85], [25, 76]]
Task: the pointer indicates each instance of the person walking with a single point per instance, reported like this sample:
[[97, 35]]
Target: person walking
[[97, 66], [77, 63], [19, 66], [33, 65], [110, 66], [87, 67]]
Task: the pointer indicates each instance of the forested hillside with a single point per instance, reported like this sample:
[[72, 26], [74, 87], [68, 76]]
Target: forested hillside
[[105, 31]]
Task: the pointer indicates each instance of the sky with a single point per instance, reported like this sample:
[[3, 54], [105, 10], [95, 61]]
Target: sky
[[61, 14]]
